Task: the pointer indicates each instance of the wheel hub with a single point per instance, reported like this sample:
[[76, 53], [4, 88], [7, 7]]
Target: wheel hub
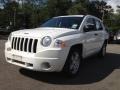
[[75, 62]]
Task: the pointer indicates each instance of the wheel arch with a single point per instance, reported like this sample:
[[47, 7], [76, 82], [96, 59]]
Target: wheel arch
[[73, 47], [77, 46]]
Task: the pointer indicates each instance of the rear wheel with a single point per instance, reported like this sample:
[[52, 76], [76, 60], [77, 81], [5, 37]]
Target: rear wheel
[[102, 52], [73, 62]]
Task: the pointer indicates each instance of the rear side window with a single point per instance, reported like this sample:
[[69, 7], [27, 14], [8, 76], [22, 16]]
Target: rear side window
[[98, 25]]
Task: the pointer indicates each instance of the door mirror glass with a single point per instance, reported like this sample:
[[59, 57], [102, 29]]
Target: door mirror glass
[[89, 27]]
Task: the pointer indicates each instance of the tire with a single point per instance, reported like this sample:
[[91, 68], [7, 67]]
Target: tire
[[102, 52], [73, 62]]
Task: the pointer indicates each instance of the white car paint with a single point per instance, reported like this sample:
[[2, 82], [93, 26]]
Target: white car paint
[[54, 56]]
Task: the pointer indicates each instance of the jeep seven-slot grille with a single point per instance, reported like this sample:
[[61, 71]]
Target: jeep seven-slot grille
[[24, 44]]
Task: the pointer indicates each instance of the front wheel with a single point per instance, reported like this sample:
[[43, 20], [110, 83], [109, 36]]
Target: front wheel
[[73, 62]]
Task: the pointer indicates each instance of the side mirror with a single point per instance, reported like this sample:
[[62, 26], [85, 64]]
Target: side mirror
[[88, 27]]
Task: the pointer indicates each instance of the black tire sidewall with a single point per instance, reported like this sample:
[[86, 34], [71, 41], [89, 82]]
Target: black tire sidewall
[[101, 51], [66, 68]]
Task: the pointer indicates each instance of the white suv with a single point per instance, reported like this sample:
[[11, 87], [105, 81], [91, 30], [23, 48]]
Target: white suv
[[58, 45]]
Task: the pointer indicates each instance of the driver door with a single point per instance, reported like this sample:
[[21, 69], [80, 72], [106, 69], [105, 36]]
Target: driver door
[[90, 38]]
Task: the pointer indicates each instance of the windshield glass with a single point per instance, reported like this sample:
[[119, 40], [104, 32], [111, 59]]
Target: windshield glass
[[64, 22]]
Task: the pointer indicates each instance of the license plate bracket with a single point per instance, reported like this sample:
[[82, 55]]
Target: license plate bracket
[[16, 57]]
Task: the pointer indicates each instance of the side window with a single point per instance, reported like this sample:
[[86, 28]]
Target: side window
[[92, 22], [98, 25]]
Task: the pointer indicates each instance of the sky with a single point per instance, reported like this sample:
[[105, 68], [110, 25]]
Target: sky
[[114, 4]]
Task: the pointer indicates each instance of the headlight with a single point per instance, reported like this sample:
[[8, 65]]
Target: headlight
[[46, 41], [59, 44], [9, 38]]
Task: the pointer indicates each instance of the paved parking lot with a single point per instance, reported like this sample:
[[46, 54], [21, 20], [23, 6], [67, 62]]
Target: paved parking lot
[[95, 74]]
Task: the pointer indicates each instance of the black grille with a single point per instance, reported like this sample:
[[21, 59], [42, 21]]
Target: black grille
[[30, 45], [18, 43], [24, 44]]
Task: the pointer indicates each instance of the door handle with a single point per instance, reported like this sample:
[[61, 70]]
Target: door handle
[[96, 34]]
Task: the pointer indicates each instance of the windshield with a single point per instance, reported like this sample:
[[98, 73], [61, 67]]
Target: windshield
[[64, 22]]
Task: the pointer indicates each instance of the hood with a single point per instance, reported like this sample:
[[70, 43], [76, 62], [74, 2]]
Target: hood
[[41, 32]]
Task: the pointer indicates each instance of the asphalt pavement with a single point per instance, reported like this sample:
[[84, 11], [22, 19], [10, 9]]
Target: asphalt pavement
[[95, 74]]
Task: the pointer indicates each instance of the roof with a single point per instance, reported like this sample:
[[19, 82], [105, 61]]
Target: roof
[[71, 16], [79, 16]]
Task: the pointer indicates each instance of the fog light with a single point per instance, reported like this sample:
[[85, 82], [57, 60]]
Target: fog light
[[46, 65], [9, 49]]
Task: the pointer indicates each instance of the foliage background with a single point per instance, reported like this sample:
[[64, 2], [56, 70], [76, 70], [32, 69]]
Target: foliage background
[[32, 13]]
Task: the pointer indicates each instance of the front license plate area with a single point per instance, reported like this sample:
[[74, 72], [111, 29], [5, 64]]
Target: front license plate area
[[16, 57]]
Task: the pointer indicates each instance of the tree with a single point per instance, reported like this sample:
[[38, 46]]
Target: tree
[[118, 9], [31, 13], [11, 10], [95, 8], [77, 9], [58, 7], [116, 24]]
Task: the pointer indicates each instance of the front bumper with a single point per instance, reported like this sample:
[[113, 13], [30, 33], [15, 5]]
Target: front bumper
[[50, 60]]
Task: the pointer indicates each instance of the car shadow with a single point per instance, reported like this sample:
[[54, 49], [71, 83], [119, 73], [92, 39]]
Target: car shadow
[[93, 70]]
